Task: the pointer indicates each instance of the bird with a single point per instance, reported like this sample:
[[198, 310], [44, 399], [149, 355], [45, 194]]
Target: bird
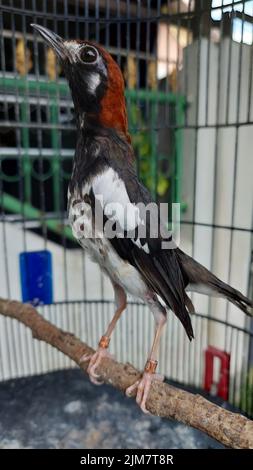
[[106, 209]]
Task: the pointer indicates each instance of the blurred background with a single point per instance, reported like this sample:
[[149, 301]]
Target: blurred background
[[188, 69]]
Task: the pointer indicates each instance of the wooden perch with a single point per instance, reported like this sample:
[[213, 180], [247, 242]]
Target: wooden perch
[[231, 429]]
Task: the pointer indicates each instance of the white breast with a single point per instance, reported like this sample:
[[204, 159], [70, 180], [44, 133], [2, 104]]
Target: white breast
[[101, 251]]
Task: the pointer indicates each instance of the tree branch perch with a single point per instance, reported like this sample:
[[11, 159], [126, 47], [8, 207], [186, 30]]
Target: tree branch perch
[[231, 429]]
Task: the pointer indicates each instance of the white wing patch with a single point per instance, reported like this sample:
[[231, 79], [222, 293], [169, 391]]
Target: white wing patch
[[111, 191], [116, 203], [146, 248]]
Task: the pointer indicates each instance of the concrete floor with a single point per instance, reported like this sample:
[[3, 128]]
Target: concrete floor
[[64, 410]]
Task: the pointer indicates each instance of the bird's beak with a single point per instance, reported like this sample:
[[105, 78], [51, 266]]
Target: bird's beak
[[53, 40]]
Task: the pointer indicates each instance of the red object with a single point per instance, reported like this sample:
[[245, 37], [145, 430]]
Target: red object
[[223, 384]]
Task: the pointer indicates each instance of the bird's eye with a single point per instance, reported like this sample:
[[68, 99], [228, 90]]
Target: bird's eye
[[88, 54]]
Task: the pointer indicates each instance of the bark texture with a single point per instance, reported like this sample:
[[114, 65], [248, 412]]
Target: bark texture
[[231, 429]]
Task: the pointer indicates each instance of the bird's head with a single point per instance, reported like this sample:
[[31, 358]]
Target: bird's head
[[95, 80]]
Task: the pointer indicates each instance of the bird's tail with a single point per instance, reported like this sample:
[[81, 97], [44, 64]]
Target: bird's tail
[[199, 279]]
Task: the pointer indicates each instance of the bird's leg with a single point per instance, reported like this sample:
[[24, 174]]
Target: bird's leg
[[143, 384], [95, 359]]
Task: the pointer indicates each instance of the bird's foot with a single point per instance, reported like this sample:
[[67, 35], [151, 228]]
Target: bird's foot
[[144, 383], [95, 360]]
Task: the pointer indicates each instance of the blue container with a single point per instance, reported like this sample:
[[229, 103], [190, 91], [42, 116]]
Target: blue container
[[36, 277]]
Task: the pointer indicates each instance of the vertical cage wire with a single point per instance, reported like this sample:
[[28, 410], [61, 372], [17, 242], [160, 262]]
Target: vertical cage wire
[[188, 72]]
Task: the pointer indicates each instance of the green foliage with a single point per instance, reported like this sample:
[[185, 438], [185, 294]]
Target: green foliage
[[246, 395], [145, 147]]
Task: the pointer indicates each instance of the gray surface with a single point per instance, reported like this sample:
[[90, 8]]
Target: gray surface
[[64, 410]]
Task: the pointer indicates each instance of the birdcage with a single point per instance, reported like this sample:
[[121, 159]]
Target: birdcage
[[188, 71]]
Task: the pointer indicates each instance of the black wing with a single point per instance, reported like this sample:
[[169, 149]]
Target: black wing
[[160, 268]]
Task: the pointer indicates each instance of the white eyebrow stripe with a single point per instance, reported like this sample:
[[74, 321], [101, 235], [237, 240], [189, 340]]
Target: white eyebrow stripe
[[73, 48], [93, 79]]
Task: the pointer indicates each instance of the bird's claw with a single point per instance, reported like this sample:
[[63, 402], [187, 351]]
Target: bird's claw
[[85, 358], [143, 386], [94, 361]]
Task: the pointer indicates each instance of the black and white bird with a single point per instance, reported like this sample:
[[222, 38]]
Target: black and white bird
[[104, 177]]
